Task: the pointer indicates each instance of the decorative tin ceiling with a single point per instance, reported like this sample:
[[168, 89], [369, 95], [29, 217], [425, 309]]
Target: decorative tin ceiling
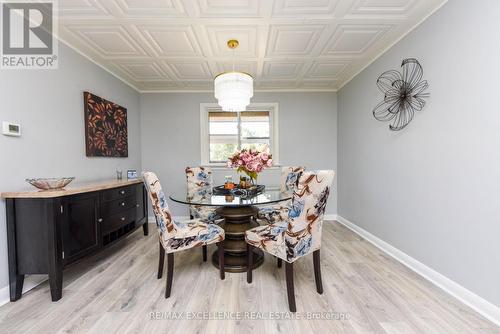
[[287, 45]]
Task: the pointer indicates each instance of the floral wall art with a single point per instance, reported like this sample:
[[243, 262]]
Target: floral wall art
[[105, 127], [404, 94]]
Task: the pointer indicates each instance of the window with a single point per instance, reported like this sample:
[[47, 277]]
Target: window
[[223, 133]]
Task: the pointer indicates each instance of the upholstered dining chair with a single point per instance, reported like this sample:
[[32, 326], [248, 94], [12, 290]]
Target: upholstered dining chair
[[288, 181], [199, 184], [178, 236], [298, 235]]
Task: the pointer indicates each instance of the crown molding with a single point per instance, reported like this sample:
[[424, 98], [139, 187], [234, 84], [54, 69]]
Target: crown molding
[[391, 45], [256, 91]]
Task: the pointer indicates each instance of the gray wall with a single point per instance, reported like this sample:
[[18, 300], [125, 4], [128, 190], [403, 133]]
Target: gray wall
[[433, 189], [49, 106], [171, 135]]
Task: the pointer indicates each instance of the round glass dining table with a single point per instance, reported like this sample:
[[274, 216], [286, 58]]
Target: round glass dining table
[[239, 213]]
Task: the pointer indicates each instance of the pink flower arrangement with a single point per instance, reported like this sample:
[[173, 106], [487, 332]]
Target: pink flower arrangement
[[251, 162]]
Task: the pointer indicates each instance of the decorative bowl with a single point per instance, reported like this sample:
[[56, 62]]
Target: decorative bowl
[[50, 183]]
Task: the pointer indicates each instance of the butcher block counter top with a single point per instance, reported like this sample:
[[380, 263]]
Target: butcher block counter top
[[71, 189]]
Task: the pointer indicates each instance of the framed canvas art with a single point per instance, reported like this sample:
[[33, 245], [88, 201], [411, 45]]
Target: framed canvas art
[[105, 127]]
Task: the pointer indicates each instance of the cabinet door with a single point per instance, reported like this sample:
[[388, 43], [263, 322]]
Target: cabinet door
[[140, 203], [79, 228]]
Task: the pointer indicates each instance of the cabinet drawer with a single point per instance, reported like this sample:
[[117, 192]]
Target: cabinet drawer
[[117, 193], [118, 205], [116, 221]]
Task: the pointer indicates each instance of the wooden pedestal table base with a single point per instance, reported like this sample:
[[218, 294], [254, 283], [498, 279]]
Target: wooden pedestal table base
[[238, 220]]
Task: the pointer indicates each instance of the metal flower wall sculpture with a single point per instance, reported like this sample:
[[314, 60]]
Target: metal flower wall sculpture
[[403, 94]]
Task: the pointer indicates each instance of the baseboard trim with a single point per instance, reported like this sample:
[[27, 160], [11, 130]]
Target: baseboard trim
[[477, 303], [29, 283], [330, 217], [151, 219]]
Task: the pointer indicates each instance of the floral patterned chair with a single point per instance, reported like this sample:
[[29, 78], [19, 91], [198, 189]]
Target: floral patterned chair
[[300, 233], [178, 236], [199, 184], [288, 181]]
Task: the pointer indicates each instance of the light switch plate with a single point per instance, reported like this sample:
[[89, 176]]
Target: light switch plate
[[11, 129]]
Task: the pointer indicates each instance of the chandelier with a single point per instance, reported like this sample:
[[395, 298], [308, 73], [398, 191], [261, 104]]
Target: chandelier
[[234, 89]]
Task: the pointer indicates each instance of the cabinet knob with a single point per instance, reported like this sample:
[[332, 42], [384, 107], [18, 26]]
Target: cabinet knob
[[99, 220], [122, 192], [122, 203], [137, 205], [122, 218]]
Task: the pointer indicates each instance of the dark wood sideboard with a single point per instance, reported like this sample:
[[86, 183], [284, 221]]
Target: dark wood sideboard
[[49, 230]]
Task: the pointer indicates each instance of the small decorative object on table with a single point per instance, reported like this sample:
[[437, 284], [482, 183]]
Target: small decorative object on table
[[229, 184], [245, 182], [50, 183], [119, 174], [131, 174], [250, 162]]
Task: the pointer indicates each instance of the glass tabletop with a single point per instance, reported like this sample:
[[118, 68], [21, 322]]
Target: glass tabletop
[[268, 196]]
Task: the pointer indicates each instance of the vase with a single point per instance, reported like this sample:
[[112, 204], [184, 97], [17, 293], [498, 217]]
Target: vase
[[252, 176], [247, 181]]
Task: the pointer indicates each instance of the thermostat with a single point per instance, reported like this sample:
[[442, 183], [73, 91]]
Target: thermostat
[[11, 129]]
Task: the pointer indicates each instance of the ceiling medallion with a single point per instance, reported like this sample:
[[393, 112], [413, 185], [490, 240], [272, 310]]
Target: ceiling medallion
[[233, 89]]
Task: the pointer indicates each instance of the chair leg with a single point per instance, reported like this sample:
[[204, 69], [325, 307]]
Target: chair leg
[[204, 250], [220, 250], [161, 261], [170, 273], [289, 287], [249, 263], [317, 272], [280, 263]]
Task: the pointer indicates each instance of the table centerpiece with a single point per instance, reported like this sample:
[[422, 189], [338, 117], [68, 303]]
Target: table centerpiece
[[250, 162]]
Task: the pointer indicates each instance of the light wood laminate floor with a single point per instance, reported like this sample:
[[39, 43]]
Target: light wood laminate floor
[[116, 291]]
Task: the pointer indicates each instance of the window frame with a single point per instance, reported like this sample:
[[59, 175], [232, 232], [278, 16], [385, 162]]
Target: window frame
[[205, 108]]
